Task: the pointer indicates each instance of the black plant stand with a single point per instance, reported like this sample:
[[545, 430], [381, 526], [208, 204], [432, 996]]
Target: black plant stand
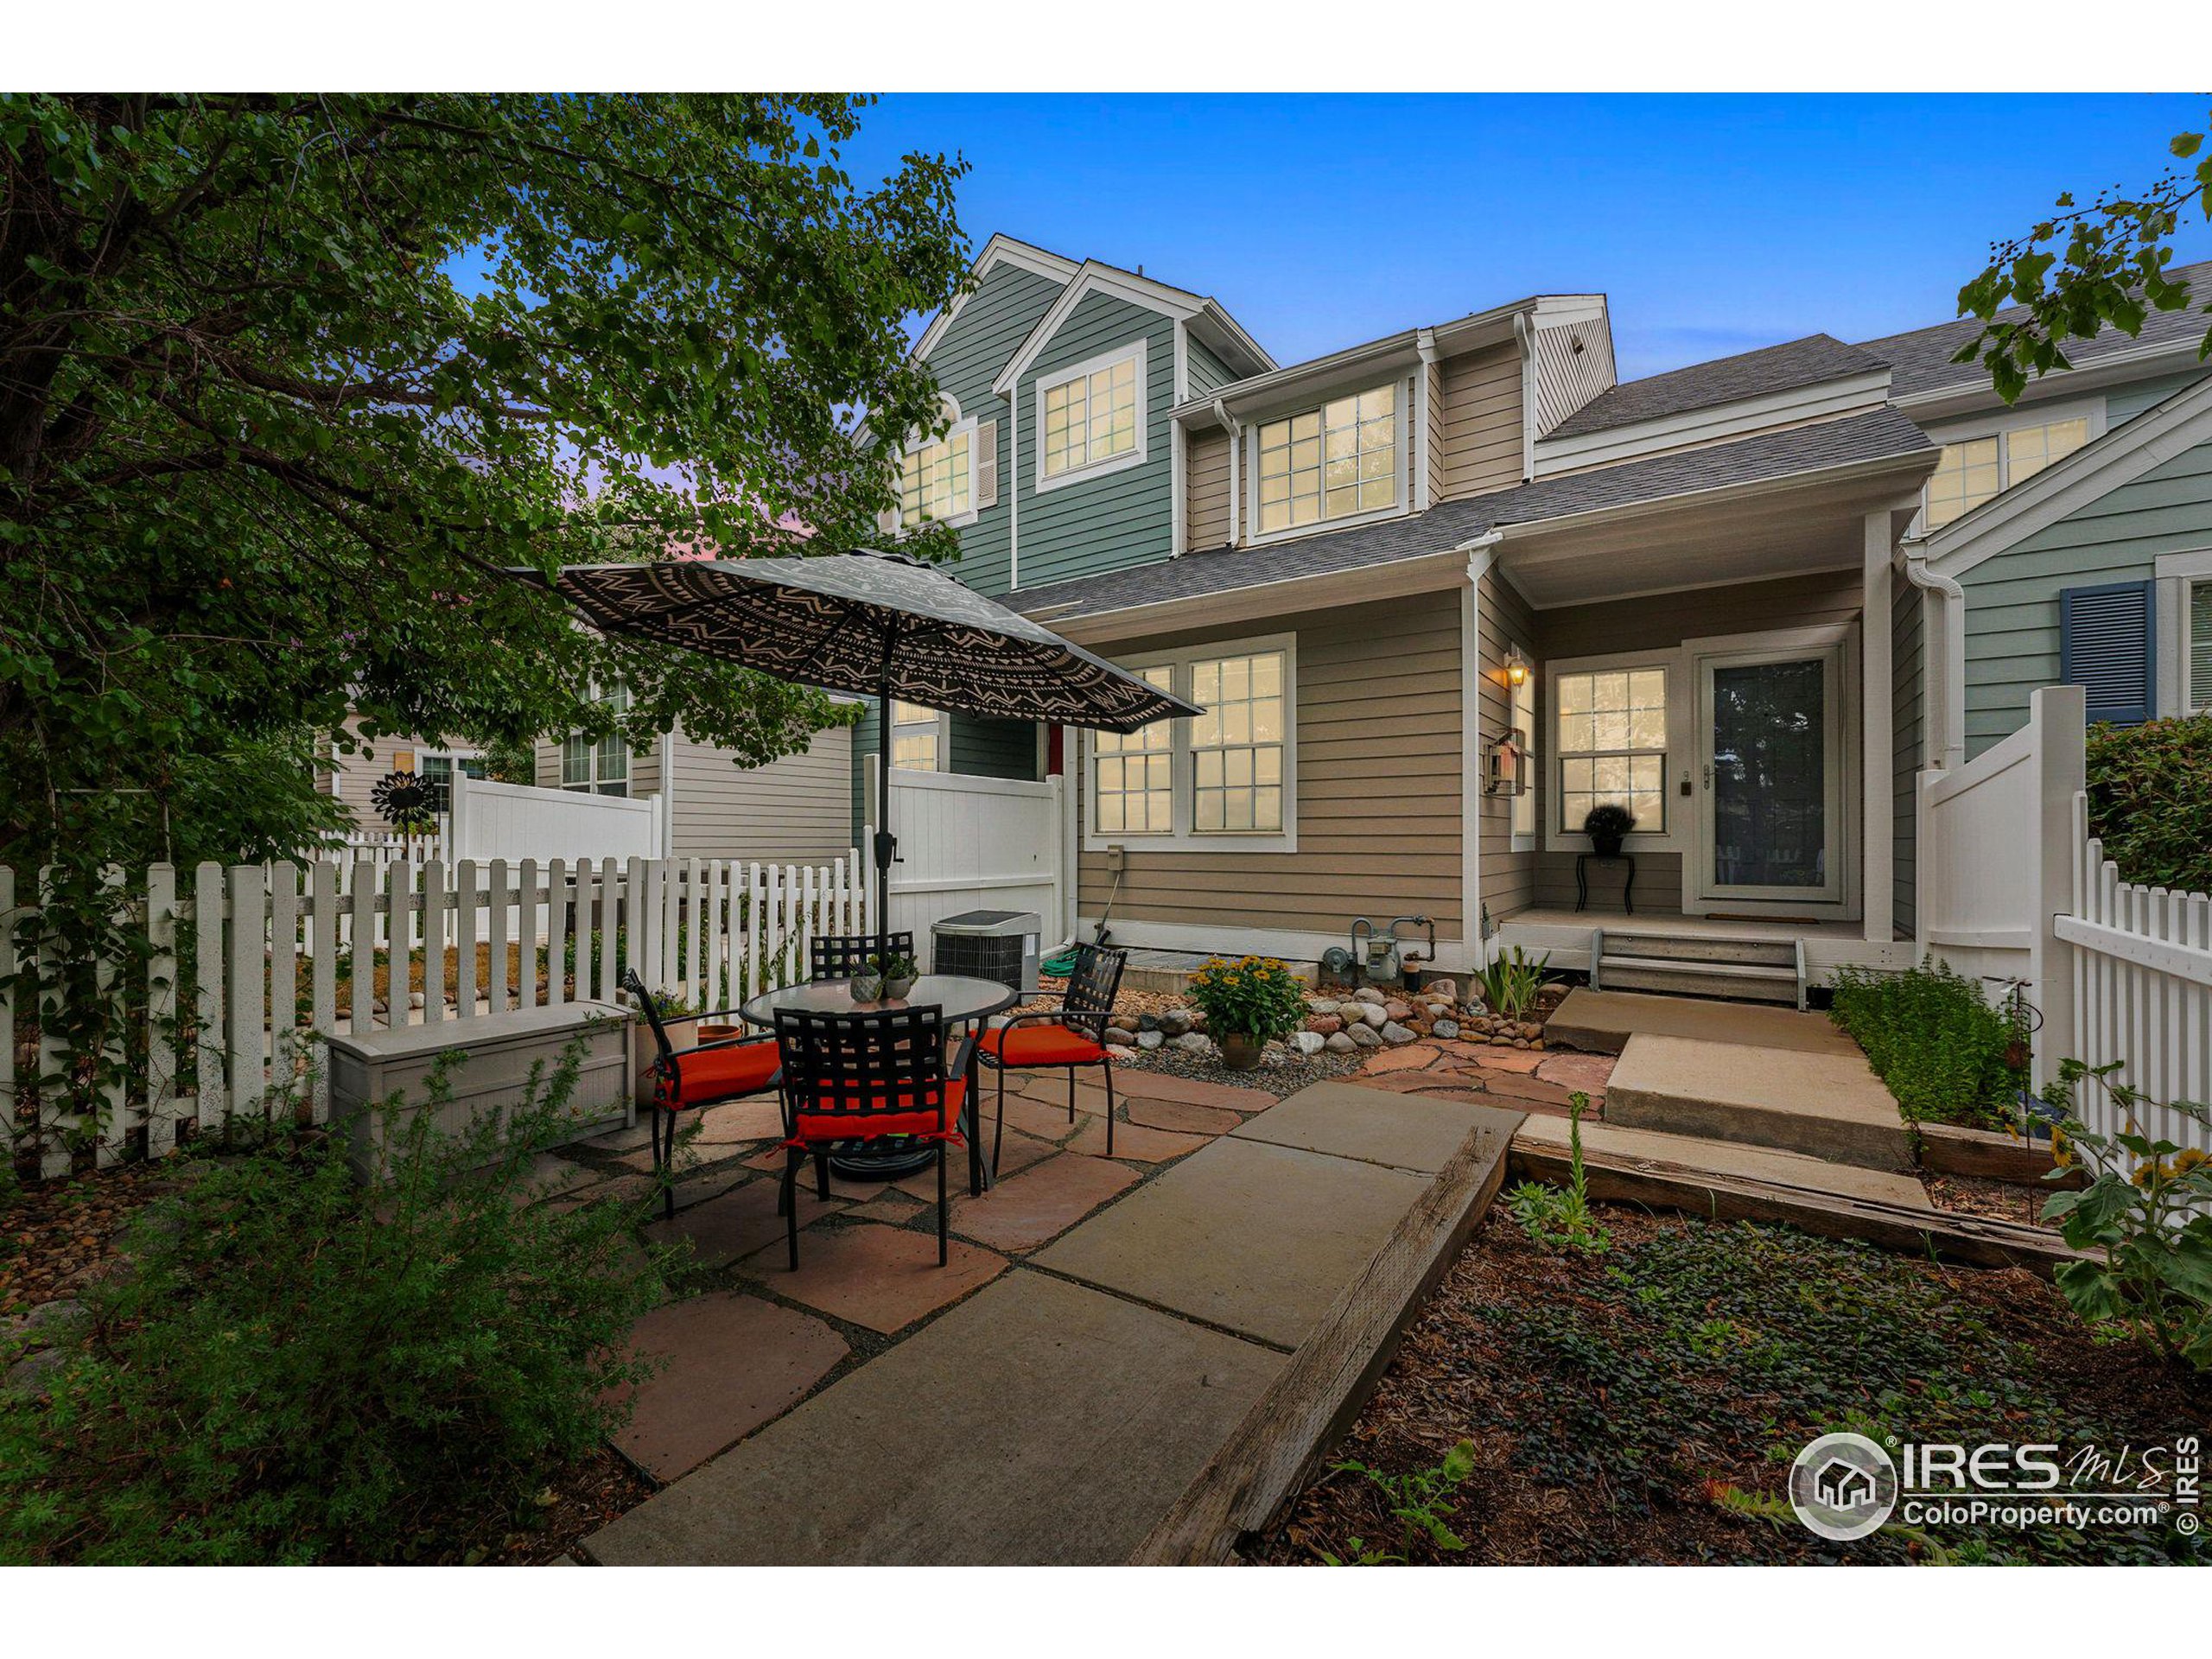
[[1582, 861]]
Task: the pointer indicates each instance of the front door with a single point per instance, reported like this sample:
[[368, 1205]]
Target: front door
[[1770, 730]]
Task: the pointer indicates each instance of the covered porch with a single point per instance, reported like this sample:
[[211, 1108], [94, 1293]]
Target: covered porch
[[1741, 672]]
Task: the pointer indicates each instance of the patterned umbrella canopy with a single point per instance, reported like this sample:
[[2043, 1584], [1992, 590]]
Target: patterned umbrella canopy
[[877, 624]]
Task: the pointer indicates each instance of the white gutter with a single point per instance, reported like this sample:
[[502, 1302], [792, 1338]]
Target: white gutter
[[1951, 614], [1481, 553]]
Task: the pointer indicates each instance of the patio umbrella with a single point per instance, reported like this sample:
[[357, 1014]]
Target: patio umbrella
[[884, 625]]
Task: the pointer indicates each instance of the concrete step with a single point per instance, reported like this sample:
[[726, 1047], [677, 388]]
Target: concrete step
[[1732, 980], [1792, 1170], [1829, 1106], [1701, 947], [1601, 1022]]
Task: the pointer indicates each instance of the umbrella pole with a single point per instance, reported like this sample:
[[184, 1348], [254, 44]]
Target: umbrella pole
[[885, 843]]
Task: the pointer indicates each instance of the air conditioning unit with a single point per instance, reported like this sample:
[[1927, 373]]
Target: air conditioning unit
[[1000, 944]]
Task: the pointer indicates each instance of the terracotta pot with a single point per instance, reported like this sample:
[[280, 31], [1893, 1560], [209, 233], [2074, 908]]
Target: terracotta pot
[[644, 1052], [719, 1033], [1238, 1052]]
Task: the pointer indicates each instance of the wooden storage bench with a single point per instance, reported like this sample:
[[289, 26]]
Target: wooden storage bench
[[369, 1067]]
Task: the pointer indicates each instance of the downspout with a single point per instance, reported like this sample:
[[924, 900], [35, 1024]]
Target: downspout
[[1013, 486], [1235, 473], [1951, 608]]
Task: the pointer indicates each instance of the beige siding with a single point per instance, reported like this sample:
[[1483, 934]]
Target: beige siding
[[1432, 419], [1574, 363], [1205, 494], [796, 811], [1660, 622], [1509, 878], [1482, 421], [1377, 788]]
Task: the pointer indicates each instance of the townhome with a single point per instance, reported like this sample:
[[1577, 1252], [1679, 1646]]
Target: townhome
[[1444, 592]]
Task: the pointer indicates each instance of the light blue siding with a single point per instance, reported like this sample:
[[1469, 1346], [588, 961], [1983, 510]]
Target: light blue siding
[[2012, 599], [1121, 519], [2125, 403]]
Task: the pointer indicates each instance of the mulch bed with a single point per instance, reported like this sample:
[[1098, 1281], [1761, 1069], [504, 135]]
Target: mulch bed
[[1632, 1406], [1977, 1195]]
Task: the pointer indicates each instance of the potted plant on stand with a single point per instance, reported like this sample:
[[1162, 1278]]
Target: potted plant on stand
[[1607, 826], [1248, 1004]]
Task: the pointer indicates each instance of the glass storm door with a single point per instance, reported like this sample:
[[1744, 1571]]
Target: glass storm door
[[1771, 821]]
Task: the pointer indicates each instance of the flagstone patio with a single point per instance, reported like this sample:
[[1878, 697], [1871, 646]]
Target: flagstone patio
[[1218, 1265]]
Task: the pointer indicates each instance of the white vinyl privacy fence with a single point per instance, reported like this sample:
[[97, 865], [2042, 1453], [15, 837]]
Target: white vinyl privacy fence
[[976, 843], [2013, 887], [248, 963]]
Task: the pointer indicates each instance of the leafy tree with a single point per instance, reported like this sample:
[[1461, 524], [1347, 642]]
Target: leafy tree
[[2111, 273], [290, 386]]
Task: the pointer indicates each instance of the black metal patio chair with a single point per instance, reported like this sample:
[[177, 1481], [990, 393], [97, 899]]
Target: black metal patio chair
[[685, 1079], [862, 1077], [840, 956], [1071, 1036]]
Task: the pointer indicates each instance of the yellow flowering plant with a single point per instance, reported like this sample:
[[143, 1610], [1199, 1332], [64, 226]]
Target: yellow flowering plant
[[2145, 1219], [1257, 997]]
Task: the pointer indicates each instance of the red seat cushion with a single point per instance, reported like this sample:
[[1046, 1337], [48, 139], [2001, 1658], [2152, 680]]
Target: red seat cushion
[[706, 1075], [857, 1125], [1040, 1044]]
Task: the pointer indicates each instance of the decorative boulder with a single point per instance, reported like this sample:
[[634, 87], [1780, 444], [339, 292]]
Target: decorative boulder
[[1322, 1004], [1444, 989], [1398, 1010], [1366, 1036], [1371, 1013], [1144, 1021], [1149, 1039], [1325, 1024], [1192, 1042], [1175, 1021], [1445, 1028], [1369, 994], [1397, 1035], [1117, 1037], [1307, 1042], [1340, 1042]]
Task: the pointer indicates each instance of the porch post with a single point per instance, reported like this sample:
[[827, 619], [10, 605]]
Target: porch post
[[1876, 737], [1480, 553]]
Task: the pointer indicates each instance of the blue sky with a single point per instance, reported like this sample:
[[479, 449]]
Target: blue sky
[[1714, 224]]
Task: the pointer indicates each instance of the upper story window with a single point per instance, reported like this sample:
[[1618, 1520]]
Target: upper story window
[[1611, 730], [1976, 469], [917, 735], [601, 767], [936, 481], [1332, 462], [1091, 418]]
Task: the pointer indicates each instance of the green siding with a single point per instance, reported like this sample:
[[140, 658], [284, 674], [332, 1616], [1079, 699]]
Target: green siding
[[1206, 373], [1905, 716], [1121, 519], [2125, 403], [2012, 598], [967, 357], [993, 749]]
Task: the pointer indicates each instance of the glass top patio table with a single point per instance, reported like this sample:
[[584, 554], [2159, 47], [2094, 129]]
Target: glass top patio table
[[963, 1000]]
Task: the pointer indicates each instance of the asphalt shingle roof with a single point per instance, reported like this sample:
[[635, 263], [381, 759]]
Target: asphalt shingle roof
[[1806, 362], [1871, 436], [1920, 360]]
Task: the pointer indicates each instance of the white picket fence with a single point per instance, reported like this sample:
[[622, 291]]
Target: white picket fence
[[2142, 987], [265, 949]]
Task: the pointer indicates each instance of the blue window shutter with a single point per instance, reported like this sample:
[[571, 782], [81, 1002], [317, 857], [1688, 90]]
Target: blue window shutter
[[2107, 646]]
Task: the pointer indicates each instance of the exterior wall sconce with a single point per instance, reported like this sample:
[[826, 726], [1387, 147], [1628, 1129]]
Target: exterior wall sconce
[[1516, 667]]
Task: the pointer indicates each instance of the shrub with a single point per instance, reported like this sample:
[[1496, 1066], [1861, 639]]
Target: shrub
[[1255, 996], [297, 1368], [2145, 1217], [1945, 1054], [2150, 800]]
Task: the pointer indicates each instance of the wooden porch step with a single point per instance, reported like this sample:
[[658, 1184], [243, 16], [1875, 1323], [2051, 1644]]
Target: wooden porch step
[[1741, 981], [1701, 948]]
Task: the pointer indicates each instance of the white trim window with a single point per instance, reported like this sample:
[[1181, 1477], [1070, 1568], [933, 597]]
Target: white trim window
[[1977, 469], [1090, 417], [1610, 735], [2196, 645], [601, 767], [1341, 461], [937, 480], [1223, 781], [1134, 785], [1236, 746], [917, 737]]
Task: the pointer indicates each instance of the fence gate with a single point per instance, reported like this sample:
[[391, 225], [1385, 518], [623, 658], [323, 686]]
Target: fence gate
[[975, 843]]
